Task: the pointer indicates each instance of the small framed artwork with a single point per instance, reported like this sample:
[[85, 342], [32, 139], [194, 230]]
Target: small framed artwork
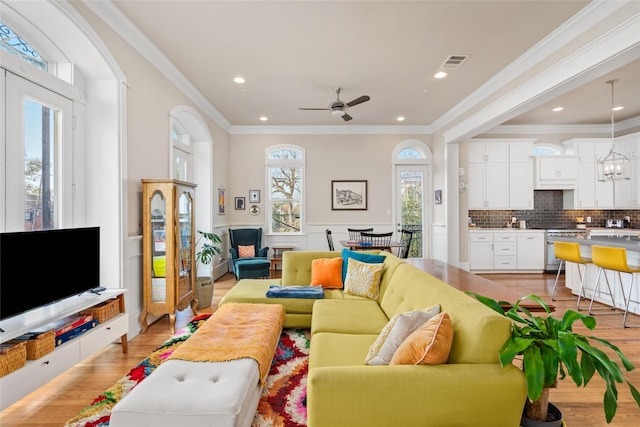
[[254, 196], [221, 201], [254, 210], [239, 203], [349, 195], [438, 197]]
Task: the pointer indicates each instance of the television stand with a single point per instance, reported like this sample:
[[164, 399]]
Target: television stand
[[35, 373]]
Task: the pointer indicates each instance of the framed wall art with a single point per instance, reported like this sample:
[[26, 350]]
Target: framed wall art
[[239, 203], [349, 195], [438, 197], [254, 196], [220, 200]]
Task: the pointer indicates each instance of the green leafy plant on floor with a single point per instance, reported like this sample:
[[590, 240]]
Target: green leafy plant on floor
[[209, 248], [550, 351]]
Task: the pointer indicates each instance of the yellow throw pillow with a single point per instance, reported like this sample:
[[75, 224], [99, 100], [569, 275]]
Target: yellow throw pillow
[[363, 279], [399, 327], [428, 345], [246, 251]]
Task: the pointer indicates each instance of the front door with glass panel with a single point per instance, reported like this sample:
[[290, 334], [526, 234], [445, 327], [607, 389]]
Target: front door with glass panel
[[38, 160], [411, 207]]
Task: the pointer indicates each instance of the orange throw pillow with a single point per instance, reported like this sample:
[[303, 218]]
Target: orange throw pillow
[[246, 251], [327, 272], [430, 344]]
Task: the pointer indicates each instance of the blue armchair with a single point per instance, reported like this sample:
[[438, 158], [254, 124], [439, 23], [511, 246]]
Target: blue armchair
[[252, 266]]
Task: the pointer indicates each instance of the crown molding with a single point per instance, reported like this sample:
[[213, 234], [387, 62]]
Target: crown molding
[[617, 47], [578, 24], [331, 130], [114, 18], [561, 129]]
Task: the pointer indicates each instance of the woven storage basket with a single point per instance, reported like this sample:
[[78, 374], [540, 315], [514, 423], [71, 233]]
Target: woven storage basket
[[12, 358], [40, 345], [104, 311]]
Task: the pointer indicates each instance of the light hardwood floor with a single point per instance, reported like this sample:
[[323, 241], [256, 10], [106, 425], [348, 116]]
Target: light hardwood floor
[[63, 397]]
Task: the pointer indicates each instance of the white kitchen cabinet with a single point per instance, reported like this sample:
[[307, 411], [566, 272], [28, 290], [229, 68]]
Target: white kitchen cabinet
[[531, 251], [556, 172], [495, 250], [488, 175], [481, 251], [589, 193], [521, 174], [626, 193]]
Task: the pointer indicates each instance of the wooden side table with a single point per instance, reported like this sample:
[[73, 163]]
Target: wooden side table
[[276, 259]]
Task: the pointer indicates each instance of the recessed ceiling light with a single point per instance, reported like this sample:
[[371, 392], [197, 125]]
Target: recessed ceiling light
[[400, 118], [558, 109], [239, 80], [440, 75], [264, 118], [618, 108]]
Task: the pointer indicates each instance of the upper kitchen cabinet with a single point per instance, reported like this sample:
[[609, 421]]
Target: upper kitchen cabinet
[[626, 193], [556, 172], [589, 192], [500, 174]]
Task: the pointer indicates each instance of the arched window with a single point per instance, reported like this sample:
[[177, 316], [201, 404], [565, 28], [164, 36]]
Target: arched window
[[16, 45], [285, 183], [181, 151]]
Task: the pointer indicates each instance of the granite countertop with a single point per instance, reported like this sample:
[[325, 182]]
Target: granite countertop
[[631, 243]]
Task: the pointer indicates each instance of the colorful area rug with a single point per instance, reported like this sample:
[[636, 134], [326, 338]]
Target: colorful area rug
[[282, 400]]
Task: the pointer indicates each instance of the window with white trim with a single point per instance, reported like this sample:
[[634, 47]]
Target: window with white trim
[[285, 181]]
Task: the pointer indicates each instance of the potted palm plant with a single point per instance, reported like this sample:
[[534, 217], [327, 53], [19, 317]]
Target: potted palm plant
[[550, 351], [204, 284]]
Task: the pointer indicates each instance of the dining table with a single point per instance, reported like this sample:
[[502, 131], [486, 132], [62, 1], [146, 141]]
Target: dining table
[[359, 245]]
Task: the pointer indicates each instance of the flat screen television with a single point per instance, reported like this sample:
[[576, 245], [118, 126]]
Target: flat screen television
[[41, 267]]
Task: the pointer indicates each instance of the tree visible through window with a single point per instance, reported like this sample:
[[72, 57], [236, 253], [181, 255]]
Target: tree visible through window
[[286, 172]]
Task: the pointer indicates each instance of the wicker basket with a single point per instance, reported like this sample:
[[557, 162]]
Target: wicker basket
[[41, 344], [104, 311], [13, 356]]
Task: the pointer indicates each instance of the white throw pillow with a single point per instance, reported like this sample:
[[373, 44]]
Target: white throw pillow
[[399, 327]]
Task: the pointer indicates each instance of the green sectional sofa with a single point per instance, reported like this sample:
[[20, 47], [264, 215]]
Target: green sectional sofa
[[471, 389]]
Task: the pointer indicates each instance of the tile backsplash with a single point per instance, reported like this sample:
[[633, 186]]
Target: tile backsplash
[[548, 213]]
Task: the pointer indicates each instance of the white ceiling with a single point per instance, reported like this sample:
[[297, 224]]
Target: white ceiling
[[295, 53]]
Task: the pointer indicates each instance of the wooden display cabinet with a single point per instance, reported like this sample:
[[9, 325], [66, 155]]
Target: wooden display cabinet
[[168, 247]]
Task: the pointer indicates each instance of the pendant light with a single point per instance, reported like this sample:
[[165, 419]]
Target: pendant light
[[614, 166]]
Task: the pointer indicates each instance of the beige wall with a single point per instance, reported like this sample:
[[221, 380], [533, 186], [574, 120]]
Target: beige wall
[[150, 97], [329, 157]]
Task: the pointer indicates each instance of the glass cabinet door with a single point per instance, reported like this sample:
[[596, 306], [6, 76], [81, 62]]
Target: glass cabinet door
[[185, 206], [158, 247]]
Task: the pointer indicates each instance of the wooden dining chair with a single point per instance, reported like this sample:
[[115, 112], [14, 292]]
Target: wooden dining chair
[[407, 236], [356, 233], [380, 241]]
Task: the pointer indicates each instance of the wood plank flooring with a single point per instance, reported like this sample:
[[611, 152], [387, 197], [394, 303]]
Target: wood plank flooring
[[61, 399]]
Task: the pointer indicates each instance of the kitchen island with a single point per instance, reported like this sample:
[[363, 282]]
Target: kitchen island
[[572, 279]]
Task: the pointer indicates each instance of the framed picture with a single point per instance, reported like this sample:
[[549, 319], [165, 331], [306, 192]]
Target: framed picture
[[349, 195], [254, 196], [220, 201], [239, 203], [438, 197]]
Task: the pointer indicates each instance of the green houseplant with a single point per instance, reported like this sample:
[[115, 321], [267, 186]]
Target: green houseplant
[[550, 351], [204, 288]]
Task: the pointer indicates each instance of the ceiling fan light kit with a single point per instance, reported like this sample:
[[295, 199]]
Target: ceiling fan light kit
[[614, 166], [339, 108]]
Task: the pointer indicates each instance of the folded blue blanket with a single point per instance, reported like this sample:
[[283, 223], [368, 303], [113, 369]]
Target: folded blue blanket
[[276, 291]]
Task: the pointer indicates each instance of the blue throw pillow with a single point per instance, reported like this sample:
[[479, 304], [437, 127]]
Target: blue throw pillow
[[358, 256]]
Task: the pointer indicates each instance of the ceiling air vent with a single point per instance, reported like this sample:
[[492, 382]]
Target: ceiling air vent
[[453, 62]]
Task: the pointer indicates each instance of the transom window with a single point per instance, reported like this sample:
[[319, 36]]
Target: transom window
[[16, 45], [410, 153], [285, 181]]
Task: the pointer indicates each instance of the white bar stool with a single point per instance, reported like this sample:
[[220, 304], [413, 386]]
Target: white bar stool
[[614, 259], [570, 252]]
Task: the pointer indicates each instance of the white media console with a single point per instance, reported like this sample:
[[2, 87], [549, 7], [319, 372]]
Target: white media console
[[35, 373]]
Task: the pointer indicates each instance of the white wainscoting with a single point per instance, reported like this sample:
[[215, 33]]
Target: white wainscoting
[[439, 242]]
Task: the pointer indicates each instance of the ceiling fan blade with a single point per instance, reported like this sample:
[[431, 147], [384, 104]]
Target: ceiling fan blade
[[322, 109], [346, 117], [360, 100]]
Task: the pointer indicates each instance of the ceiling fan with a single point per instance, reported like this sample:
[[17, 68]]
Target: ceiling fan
[[339, 108]]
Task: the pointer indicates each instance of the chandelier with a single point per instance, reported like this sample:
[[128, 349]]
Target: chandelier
[[614, 166]]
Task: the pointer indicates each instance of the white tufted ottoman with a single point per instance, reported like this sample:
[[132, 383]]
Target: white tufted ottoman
[[182, 393]]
